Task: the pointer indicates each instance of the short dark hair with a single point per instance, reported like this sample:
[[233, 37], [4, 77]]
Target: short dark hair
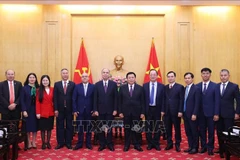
[[187, 73], [153, 70], [225, 70], [64, 69], [206, 70], [171, 72], [130, 73]]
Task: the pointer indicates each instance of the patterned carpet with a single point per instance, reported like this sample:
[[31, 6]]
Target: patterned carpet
[[118, 154]]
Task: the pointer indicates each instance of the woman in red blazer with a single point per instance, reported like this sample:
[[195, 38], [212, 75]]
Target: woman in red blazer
[[45, 110]]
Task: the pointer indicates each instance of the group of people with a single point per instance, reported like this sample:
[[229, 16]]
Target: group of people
[[202, 106]]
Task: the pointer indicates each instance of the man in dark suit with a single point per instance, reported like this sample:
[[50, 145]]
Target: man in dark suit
[[228, 92], [63, 91], [105, 107], [82, 109], [131, 109], [154, 106], [10, 90], [174, 97], [190, 113], [208, 111]]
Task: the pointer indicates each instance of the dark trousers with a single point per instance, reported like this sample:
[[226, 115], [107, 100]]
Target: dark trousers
[[132, 130], [173, 120], [12, 115], [64, 127], [191, 129], [84, 124], [206, 125], [222, 125], [152, 127], [105, 120]]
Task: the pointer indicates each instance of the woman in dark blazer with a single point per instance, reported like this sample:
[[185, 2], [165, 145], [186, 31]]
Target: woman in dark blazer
[[45, 110], [28, 105]]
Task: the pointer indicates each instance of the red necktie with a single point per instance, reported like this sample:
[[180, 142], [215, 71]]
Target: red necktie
[[11, 98]]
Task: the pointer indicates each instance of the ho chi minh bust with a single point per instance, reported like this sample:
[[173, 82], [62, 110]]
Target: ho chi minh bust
[[118, 71]]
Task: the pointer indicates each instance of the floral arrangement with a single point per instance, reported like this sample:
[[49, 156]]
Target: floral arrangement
[[119, 80]]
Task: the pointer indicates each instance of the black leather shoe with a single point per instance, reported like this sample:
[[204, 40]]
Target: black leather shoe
[[138, 148], [43, 146], [221, 155], [89, 147], [169, 147], [203, 150], [178, 148], [210, 152], [101, 148], [125, 149], [77, 147], [59, 146], [187, 150], [111, 148], [68, 146], [149, 147], [193, 151], [157, 148], [49, 146]]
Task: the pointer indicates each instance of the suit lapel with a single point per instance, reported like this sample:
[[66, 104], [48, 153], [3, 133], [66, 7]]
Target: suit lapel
[[190, 91], [227, 88]]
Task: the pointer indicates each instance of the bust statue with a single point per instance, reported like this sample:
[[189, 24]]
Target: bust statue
[[118, 71]]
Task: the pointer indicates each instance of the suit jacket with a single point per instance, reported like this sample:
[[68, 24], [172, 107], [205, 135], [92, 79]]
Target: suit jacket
[[210, 101], [159, 98], [174, 99], [105, 103], [131, 105], [193, 101], [60, 97], [227, 109], [4, 96], [45, 109], [26, 99], [80, 101]]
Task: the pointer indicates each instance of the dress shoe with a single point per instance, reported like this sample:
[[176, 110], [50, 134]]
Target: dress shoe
[[221, 155], [59, 146], [210, 152], [149, 147], [193, 151], [89, 147], [125, 149], [157, 147], [203, 150], [169, 147], [177, 148], [187, 150], [43, 146], [77, 147], [25, 148], [138, 148], [216, 151], [69, 146], [48, 145], [101, 148], [111, 148]]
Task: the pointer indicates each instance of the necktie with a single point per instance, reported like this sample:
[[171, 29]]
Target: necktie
[[185, 98], [204, 88], [152, 95], [85, 89], [170, 86], [65, 87], [131, 90], [105, 87], [223, 88], [11, 98]]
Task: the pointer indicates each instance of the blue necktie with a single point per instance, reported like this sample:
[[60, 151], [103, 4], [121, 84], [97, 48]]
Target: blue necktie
[[223, 89], [185, 98], [205, 88], [152, 95]]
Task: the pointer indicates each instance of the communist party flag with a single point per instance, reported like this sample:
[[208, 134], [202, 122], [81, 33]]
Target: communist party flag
[[82, 66], [153, 64]]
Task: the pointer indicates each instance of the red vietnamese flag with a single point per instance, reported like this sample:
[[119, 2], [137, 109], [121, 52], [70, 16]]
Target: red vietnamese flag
[[153, 64], [82, 66]]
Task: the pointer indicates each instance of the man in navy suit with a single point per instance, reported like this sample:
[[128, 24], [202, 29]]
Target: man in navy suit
[[154, 105], [208, 111], [228, 92], [10, 90], [82, 109], [174, 97], [131, 109], [190, 112], [63, 91], [105, 107]]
